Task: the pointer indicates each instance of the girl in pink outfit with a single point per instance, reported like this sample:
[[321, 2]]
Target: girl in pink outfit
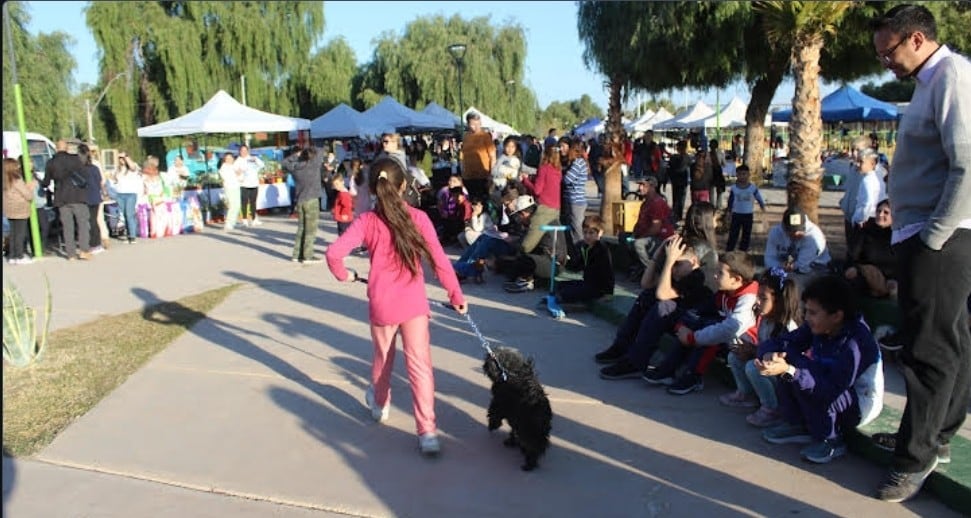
[[398, 237]]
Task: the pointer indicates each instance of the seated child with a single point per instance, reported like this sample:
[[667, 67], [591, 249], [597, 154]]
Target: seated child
[[701, 338], [778, 307], [681, 290], [595, 261], [479, 222], [454, 223], [829, 372]]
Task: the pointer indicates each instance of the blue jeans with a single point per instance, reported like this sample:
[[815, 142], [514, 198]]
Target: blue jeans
[[485, 246], [126, 202], [748, 380]]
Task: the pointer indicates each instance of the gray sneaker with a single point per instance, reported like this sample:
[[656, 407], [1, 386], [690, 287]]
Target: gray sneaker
[[824, 451], [428, 444], [786, 433], [901, 486]]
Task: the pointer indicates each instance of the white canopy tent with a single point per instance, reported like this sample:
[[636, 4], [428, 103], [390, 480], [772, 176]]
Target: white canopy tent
[[438, 111], [602, 127], [390, 116], [686, 117], [341, 122], [638, 124], [223, 114], [731, 116], [488, 123], [651, 122]]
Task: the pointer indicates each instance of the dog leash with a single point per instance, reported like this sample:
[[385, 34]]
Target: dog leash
[[468, 318], [482, 339]]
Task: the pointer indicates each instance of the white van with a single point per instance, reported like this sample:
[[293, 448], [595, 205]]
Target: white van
[[40, 147]]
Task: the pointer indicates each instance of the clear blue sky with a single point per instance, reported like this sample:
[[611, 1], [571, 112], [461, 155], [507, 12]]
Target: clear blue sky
[[554, 63]]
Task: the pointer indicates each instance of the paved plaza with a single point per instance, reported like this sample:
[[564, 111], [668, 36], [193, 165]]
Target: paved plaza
[[257, 410]]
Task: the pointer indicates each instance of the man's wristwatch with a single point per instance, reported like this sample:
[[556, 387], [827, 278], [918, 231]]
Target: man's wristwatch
[[789, 374]]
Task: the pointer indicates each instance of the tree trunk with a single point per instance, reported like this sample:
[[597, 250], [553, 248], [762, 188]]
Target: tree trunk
[[806, 128], [758, 108], [614, 127], [612, 193]]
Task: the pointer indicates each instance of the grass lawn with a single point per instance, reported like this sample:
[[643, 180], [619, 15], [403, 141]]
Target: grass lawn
[[82, 364]]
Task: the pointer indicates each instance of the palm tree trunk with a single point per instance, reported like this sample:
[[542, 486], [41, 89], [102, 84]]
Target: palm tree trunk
[[806, 128], [614, 127], [758, 108]]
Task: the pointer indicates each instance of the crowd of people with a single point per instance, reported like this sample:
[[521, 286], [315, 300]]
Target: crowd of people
[[794, 336]]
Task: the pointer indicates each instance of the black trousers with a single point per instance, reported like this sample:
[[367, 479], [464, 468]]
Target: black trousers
[[741, 224], [933, 290], [678, 194], [95, 233], [247, 204]]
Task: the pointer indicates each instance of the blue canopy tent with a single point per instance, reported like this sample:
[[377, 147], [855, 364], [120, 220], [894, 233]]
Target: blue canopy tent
[[848, 105]]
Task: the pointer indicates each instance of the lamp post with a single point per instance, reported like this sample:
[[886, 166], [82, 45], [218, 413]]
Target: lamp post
[[89, 110], [458, 54]]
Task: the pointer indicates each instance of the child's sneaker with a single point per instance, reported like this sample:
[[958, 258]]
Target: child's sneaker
[[428, 444], [738, 400], [824, 451], [519, 286], [764, 417], [380, 414], [687, 384], [656, 377], [622, 369], [786, 433]]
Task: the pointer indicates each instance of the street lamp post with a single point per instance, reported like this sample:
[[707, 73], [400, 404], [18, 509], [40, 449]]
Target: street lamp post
[[458, 54], [89, 110]]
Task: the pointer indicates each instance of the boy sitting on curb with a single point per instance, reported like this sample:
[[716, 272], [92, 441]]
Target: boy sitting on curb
[[681, 290], [829, 370], [594, 259], [702, 338]]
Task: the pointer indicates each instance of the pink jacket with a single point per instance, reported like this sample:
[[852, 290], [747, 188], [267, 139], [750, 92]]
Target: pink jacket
[[395, 296]]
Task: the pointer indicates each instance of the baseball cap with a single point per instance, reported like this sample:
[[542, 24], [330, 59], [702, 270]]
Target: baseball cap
[[522, 203], [869, 152], [794, 220], [649, 179]]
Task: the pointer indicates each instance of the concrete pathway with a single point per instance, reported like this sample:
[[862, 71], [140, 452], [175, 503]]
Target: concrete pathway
[[257, 410]]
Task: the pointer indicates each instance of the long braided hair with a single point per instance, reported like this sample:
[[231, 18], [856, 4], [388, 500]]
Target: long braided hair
[[386, 181]]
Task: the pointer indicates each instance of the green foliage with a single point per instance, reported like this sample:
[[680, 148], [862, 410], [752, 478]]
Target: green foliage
[[564, 115], [44, 69], [895, 91], [178, 54], [416, 68], [20, 344]]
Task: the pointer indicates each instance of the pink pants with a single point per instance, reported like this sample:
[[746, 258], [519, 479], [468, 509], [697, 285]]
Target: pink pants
[[697, 196], [418, 359]]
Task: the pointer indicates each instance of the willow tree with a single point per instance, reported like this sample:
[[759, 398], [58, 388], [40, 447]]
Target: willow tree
[[328, 80], [416, 68], [45, 71], [177, 54], [801, 27]]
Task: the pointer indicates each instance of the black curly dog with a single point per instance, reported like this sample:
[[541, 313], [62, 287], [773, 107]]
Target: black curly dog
[[521, 401]]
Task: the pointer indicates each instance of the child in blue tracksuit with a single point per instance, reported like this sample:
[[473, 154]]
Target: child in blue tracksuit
[[741, 205], [829, 371]]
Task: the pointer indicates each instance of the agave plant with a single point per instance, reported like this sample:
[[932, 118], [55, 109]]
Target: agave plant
[[20, 344]]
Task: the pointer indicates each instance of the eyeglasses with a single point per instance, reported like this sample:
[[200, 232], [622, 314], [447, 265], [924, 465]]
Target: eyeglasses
[[884, 57]]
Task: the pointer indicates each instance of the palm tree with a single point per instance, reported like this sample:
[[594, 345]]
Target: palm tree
[[802, 27]]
